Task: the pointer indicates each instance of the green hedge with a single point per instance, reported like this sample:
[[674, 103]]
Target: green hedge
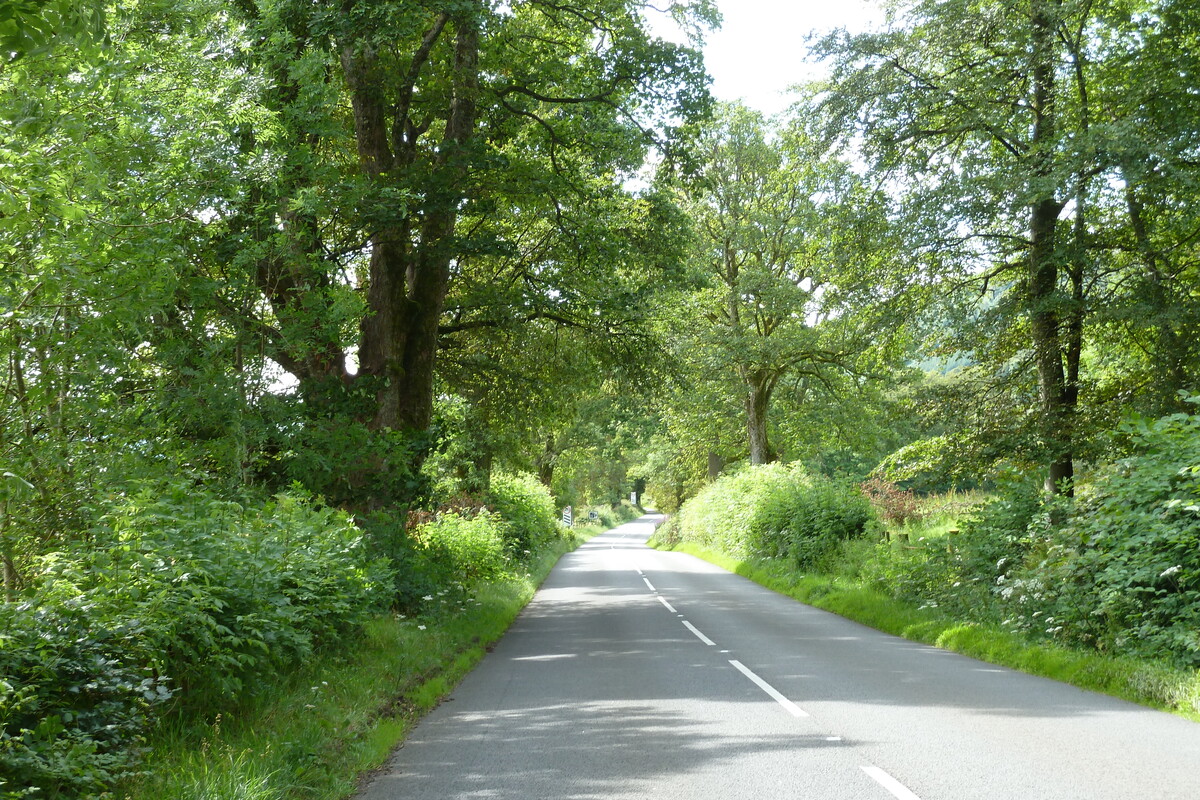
[[775, 511], [180, 599], [464, 549]]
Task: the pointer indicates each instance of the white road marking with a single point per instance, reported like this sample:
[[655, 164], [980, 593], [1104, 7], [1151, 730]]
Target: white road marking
[[699, 635], [662, 600], [895, 787], [791, 707], [651, 585]]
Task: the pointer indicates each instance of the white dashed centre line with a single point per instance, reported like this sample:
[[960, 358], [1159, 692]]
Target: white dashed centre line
[[895, 787], [788, 705], [651, 585], [668, 605], [699, 635]]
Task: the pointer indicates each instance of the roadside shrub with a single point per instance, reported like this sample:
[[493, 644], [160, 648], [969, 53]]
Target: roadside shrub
[[179, 594], [775, 511], [465, 549], [72, 708], [414, 575], [822, 515], [970, 573], [1122, 573], [530, 518], [1117, 569], [226, 593], [730, 515], [667, 534]]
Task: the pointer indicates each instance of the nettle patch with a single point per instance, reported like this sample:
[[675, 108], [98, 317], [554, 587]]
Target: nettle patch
[[183, 600]]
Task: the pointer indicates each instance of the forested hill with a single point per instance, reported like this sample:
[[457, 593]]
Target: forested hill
[[288, 285]]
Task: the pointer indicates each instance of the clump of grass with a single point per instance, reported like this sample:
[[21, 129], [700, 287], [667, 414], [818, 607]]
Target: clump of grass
[[228, 774]]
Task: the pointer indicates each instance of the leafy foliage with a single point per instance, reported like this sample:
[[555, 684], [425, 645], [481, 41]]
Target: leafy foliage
[[28, 26], [224, 591], [962, 575], [182, 595], [1115, 569], [775, 511], [73, 707], [465, 549], [528, 512], [1122, 571]]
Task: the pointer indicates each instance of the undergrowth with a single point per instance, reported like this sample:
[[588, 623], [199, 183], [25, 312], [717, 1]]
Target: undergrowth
[[348, 709]]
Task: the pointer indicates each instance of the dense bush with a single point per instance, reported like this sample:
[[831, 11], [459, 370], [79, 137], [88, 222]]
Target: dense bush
[[464, 549], [225, 590], [775, 511], [964, 574], [177, 591], [72, 706], [392, 535], [1122, 571], [433, 551], [527, 508], [1117, 569]]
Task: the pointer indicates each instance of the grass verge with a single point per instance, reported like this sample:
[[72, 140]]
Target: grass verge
[[324, 727], [1148, 683]]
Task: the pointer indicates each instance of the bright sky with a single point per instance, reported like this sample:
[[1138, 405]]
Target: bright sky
[[761, 50]]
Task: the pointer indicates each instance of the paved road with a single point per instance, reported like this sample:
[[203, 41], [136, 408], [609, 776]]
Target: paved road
[[640, 674]]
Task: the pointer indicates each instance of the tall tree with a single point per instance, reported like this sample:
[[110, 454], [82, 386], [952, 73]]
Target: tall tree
[[1143, 101], [456, 110], [107, 161], [788, 245], [982, 108]]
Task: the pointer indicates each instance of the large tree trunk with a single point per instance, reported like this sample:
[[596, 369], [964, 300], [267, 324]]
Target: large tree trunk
[[1043, 256], [760, 386], [410, 260]]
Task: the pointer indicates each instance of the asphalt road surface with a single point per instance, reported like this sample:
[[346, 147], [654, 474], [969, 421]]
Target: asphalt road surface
[[640, 674]]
